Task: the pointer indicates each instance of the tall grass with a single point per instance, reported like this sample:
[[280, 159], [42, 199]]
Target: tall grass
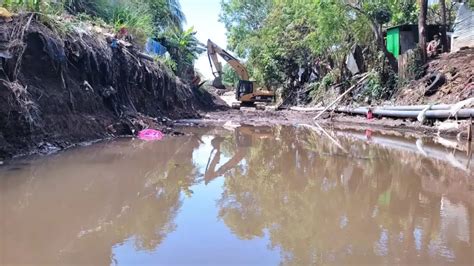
[[29, 5], [130, 14], [134, 17]]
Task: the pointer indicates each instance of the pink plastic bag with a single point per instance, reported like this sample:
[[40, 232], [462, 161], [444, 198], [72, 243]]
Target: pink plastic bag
[[150, 134]]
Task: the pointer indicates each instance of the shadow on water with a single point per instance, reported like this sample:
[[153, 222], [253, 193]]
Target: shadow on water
[[366, 199]]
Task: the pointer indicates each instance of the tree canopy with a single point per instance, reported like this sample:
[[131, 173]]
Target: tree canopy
[[284, 40]]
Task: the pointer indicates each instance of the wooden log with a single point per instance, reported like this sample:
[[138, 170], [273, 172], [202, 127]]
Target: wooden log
[[306, 109]]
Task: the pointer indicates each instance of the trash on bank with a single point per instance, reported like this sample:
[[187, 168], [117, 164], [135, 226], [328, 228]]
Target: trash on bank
[[150, 134], [5, 15]]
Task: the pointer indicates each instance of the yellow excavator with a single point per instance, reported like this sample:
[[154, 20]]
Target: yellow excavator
[[245, 137], [246, 91]]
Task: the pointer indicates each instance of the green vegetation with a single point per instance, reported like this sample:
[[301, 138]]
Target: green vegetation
[[161, 19], [284, 42], [435, 15], [229, 76], [133, 16], [183, 47], [33, 5]]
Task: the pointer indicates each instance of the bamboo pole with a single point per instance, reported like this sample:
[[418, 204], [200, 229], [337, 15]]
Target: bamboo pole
[[341, 96]]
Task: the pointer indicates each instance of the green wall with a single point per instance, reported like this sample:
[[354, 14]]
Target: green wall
[[393, 41]]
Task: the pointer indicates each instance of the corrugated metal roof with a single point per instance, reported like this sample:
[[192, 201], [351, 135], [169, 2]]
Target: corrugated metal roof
[[463, 27]]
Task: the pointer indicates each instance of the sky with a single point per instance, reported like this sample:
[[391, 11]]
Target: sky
[[204, 16]]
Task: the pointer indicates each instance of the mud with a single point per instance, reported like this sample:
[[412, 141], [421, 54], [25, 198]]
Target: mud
[[59, 90], [396, 127]]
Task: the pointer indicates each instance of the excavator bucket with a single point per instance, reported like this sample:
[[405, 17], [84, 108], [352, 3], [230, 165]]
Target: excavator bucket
[[217, 83]]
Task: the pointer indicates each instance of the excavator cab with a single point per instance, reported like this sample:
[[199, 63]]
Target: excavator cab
[[244, 87]]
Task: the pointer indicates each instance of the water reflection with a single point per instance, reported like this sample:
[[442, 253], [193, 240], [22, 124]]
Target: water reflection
[[313, 201], [74, 207]]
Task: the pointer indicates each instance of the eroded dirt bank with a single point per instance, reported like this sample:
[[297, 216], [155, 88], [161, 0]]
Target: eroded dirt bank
[[58, 91]]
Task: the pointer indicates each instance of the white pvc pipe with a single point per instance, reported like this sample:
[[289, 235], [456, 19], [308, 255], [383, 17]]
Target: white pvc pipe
[[436, 114], [417, 107]]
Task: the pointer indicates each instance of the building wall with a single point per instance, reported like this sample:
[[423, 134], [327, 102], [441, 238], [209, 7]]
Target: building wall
[[407, 41]]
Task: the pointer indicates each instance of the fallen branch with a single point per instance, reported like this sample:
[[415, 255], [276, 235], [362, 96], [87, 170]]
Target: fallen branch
[[306, 109]]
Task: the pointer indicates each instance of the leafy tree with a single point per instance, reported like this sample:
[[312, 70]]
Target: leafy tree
[[230, 77], [243, 19], [403, 12], [377, 13], [287, 41], [435, 14]]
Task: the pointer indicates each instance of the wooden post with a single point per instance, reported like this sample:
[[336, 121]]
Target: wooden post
[[469, 131]]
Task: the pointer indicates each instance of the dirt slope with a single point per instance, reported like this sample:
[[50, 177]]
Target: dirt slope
[[458, 71], [60, 91]]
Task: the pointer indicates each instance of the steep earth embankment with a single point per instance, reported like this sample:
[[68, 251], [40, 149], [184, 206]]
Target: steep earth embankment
[[59, 91], [456, 72]]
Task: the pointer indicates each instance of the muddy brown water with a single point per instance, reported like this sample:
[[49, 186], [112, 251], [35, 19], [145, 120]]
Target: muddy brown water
[[241, 196]]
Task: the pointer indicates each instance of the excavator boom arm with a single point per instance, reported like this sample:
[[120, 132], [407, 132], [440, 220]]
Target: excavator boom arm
[[213, 50]]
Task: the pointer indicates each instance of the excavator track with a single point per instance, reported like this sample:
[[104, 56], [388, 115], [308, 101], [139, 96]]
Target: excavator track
[[236, 106], [260, 106]]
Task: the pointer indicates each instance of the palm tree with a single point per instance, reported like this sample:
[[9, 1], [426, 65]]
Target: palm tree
[[176, 14], [167, 14], [183, 47]]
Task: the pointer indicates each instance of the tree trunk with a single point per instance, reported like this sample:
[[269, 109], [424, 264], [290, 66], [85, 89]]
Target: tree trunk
[[444, 26], [422, 28], [392, 60]]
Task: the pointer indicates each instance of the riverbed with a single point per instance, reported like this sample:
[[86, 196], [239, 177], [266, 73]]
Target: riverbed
[[242, 195]]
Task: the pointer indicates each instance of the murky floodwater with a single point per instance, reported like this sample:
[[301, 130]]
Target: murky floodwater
[[261, 196]]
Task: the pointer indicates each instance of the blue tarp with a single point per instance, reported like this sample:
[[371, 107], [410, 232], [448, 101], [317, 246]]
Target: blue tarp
[[154, 48]]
